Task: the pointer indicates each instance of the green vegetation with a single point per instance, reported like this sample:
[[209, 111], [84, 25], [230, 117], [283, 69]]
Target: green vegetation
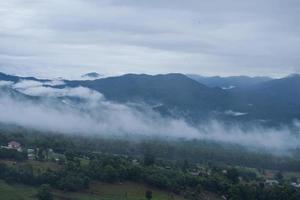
[[80, 170], [16, 191], [44, 193], [97, 191], [148, 195]]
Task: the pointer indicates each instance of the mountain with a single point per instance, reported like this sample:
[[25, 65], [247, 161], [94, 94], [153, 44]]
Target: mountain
[[286, 89], [229, 82], [6, 91], [6, 77], [272, 102], [12, 78], [91, 75], [168, 92], [276, 100]]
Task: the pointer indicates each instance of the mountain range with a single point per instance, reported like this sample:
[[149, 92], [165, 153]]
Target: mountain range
[[258, 99], [229, 82]]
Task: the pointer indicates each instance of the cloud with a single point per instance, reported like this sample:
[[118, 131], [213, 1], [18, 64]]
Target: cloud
[[94, 115], [71, 37], [27, 84], [103, 117], [80, 92], [256, 136], [5, 83], [234, 113], [24, 84]]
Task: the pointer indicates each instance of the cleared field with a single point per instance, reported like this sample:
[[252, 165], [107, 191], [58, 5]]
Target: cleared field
[[97, 191], [124, 191], [16, 192]]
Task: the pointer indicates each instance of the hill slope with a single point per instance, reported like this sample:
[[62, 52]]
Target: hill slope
[[275, 101], [229, 82], [165, 92]]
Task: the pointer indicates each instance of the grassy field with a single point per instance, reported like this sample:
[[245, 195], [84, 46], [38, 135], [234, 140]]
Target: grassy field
[[131, 190], [16, 192], [97, 191], [36, 165]]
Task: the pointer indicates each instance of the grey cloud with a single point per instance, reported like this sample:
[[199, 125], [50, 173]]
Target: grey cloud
[[69, 38]]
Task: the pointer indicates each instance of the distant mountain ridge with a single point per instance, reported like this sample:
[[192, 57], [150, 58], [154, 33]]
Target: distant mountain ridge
[[229, 82], [92, 75], [13, 78], [272, 101], [172, 92]]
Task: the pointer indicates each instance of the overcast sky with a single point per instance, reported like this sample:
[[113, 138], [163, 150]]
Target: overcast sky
[[67, 38]]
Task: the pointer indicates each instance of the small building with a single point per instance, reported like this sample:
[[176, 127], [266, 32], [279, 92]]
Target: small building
[[296, 185], [31, 154], [224, 171], [135, 162], [271, 182], [14, 145], [194, 173]]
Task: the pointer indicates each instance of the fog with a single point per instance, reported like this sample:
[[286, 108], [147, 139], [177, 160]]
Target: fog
[[84, 111]]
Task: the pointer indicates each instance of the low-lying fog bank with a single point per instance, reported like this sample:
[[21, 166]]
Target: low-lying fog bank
[[84, 111]]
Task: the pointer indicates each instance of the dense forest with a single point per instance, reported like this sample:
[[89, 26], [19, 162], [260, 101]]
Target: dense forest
[[186, 168]]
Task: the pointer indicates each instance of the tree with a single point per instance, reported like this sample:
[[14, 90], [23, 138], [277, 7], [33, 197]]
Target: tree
[[148, 194], [70, 155], [185, 165], [40, 154], [110, 173], [44, 193], [279, 176], [233, 175], [149, 158], [74, 182], [237, 192]]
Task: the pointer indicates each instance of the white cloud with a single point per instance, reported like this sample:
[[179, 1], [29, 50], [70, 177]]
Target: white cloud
[[103, 117], [256, 136], [54, 82], [98, 116], [79, 92], [6, 83], [26, 84], [234, 113], [23, 84], [71, 37]]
